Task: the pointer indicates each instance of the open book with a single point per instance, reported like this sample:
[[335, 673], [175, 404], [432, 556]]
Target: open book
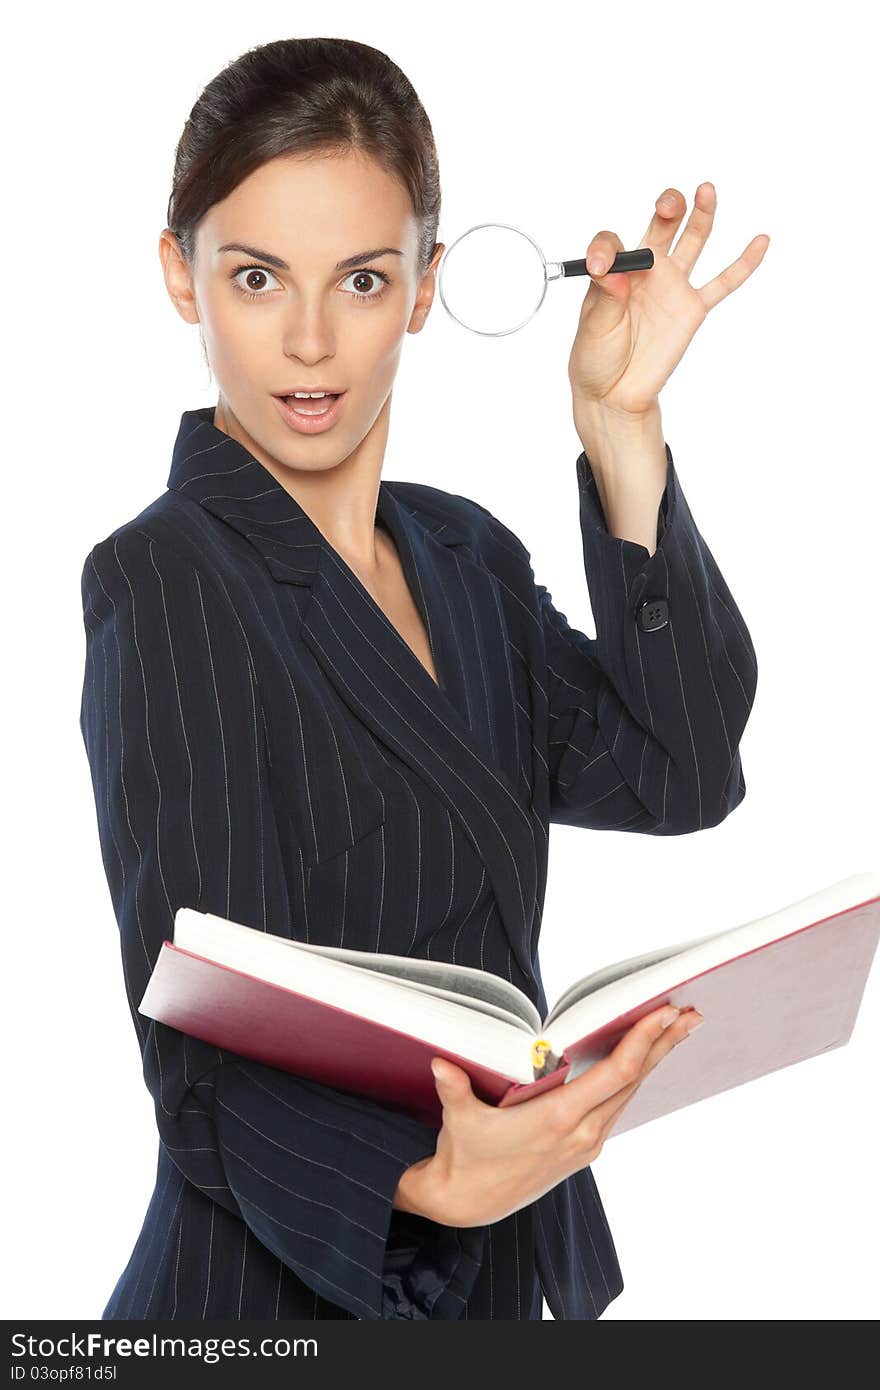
[[773, 991]]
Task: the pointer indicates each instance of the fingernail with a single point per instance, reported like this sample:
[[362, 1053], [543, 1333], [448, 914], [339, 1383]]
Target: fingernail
[[670, 1016], [697, 1023], [667, 200], [597, 265]]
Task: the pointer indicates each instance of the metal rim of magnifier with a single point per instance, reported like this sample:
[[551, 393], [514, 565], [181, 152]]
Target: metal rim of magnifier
[[485, 333]]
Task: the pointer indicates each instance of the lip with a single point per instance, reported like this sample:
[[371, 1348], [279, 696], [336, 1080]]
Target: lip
[[311, 424]]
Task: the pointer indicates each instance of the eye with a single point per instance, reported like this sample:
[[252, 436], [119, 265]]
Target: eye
[[365, 274], [254, 272]]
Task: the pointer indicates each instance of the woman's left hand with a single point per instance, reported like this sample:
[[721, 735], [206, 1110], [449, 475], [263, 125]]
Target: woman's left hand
[[635, 326]]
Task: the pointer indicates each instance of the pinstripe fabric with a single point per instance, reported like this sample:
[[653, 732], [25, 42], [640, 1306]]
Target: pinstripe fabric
[[264, 745]]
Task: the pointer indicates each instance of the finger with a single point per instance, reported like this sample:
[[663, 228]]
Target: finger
[[601, 252], [452, 1084], [669, 209], [697, 228], [604, 1116], [622, 1066], [603, 1120], [736, 273], [606, 300]]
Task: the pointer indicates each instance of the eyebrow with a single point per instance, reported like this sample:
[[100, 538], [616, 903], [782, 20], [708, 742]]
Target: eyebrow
[[349, 263]]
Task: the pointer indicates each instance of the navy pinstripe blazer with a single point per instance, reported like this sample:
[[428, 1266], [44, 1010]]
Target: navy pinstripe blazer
[[264, 745]]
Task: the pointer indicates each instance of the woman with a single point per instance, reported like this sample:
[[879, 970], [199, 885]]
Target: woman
[[340, 709]]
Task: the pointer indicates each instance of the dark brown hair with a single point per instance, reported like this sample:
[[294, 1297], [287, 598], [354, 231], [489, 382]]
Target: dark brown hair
[[304, 96]]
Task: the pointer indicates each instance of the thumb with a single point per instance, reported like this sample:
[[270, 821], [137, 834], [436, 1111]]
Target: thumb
[[608, 293], [452, 1083], [606, 301]]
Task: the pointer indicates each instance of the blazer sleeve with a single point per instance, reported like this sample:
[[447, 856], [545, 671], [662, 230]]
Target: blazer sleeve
[[645, 719], [172, 725]]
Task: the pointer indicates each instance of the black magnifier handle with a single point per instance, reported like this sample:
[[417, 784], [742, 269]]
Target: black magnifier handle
[[642, 259]]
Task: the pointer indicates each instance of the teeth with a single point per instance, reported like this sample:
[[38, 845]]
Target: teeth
[[320, 410], [295, 397]]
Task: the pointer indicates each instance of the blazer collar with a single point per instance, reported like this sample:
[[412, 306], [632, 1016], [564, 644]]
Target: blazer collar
[[227, 480], [463, 737]]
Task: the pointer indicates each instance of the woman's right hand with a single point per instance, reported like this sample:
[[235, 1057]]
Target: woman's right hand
[[489, 1162]]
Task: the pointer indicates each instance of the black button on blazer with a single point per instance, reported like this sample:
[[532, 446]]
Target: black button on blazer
[[264, 745]]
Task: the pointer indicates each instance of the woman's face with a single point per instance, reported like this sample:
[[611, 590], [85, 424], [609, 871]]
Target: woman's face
[[288, 315]]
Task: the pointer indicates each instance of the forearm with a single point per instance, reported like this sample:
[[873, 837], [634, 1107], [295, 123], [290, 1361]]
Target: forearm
[[628, 460]]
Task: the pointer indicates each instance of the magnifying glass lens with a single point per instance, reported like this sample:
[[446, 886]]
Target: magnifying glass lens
[[492, 279]]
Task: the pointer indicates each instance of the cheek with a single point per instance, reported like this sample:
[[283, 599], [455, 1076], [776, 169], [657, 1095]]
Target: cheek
[[224, 327], [384, 345], [246, 350]]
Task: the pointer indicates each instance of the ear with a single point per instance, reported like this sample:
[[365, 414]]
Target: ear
[[425, 296], [178, 277]]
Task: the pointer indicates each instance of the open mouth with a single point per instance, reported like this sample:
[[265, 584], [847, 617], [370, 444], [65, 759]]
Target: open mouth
[[311, 414], [312, 406]]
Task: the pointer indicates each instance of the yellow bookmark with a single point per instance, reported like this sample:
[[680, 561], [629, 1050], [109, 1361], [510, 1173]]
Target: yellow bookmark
[[544, 1059]]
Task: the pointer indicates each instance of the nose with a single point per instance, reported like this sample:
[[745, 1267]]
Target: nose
[[309, 333]]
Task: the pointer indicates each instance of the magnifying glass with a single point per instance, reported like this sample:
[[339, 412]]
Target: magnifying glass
[[493, 278]]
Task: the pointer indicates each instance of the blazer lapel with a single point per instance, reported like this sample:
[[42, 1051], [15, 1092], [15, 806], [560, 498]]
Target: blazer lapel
[[461, 738]]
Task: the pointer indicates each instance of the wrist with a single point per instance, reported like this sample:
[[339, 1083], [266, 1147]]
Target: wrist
[[628, 461], [604, 429]]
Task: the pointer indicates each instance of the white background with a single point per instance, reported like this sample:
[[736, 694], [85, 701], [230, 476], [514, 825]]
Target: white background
[[757, 1204]]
